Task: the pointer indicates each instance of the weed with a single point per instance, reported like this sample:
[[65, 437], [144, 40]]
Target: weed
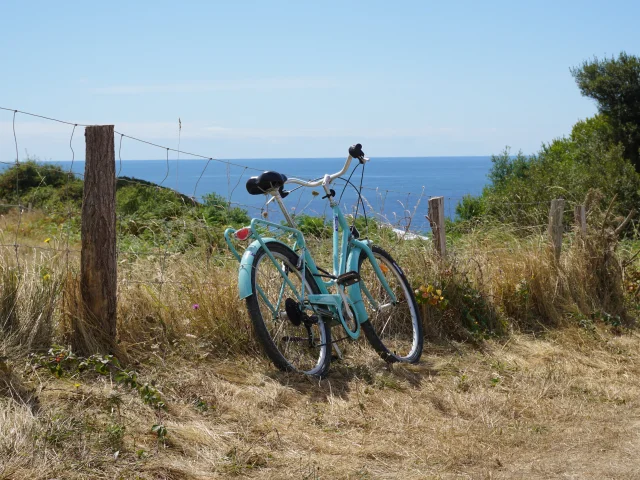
[[463, 384], [60, 429], [61, 361], [115, 436], [200, 404], [160, 430]]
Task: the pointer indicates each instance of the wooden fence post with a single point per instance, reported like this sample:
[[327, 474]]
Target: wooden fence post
[[555, 225], [580, 216], [96, 332], [436, 219]]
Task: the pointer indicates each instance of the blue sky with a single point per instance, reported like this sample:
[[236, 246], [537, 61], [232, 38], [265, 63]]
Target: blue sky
[[254, 79]]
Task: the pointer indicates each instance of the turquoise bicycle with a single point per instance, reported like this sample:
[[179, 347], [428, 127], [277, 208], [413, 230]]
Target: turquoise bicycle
[[293, 303]]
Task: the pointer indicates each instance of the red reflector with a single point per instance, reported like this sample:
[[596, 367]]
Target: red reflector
[[243, 233]]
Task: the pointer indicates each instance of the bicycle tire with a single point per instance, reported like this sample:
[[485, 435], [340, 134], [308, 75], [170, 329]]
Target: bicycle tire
[[284, 346], [387, 338]]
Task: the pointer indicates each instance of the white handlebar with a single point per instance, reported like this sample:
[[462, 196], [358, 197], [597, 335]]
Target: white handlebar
[[327, 179]]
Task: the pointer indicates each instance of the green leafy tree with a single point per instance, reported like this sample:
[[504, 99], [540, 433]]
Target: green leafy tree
[[506, 167], [614, 83]]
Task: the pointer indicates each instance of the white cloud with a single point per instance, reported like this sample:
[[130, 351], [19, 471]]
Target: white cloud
[[47, 139], [224, 85], [295, 132], [202, 130]]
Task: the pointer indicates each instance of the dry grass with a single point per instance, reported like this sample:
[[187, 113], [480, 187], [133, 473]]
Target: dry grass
[[563, 406], [530, 372], [497, 280]]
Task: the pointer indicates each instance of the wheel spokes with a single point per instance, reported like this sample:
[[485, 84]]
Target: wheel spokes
[[392, 321], [298, 344]]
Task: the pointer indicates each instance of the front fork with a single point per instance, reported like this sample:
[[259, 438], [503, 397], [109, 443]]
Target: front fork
[[361, 246]]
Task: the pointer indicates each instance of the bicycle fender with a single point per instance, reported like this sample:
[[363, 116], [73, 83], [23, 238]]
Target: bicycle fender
[[246, 265], [354, 292]]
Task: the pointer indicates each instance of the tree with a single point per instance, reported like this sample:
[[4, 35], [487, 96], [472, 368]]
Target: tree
[[615, 85]]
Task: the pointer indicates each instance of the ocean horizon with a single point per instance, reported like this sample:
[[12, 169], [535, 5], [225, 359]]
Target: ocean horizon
[[395, 189]]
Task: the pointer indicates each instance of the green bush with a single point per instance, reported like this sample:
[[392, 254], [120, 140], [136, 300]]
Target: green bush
[[41, 184], [313, 226], [218, 211], [147, 214], [147, 202], [470, 207], [568, 168]]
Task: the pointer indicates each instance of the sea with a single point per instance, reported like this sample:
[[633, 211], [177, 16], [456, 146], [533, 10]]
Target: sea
[[395, 190]]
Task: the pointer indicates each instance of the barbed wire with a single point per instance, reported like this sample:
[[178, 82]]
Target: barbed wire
[[225, 162], [378, 190], [15, 139], [42, 116], [168, 149], [160, 232], [196, 155]]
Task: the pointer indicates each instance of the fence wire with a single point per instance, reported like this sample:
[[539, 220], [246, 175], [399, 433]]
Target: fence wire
[[185, 229]]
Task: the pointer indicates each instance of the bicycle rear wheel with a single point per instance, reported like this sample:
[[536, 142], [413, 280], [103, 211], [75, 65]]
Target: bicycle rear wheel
[[305, 347], [394, 330]]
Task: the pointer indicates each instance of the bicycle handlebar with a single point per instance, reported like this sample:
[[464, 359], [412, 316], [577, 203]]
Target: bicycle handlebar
[[327, 179]]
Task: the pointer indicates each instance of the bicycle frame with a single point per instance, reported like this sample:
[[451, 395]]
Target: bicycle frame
[[346, 257]]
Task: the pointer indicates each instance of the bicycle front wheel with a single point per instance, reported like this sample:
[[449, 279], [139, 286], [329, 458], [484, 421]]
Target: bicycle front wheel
[[291, 344], [394, 329]]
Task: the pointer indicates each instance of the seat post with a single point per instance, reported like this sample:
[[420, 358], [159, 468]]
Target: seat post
[[287, 217]]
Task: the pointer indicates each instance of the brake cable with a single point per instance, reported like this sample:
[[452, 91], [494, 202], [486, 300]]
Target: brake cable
[[359, 192]]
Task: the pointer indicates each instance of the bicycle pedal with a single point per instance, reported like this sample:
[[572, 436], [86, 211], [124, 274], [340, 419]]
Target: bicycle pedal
[[309, 319], [348, 278]]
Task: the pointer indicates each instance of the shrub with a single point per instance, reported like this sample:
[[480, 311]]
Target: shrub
[[218, 211], [313, 226], [470, 207], [41, 184], [568, 168]]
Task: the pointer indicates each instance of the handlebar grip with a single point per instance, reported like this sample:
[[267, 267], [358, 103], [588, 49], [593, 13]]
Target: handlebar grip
[[356, 151]]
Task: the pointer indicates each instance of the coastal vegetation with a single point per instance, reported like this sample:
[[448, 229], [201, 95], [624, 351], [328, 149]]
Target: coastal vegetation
[[600, 153], [526, 352]]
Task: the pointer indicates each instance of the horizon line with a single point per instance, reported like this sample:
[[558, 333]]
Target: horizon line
[[272, 158]]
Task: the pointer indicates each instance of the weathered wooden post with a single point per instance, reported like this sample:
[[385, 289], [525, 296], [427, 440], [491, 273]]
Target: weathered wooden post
[[96, 331], [555, 225], [436, 219], [580, 217]]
